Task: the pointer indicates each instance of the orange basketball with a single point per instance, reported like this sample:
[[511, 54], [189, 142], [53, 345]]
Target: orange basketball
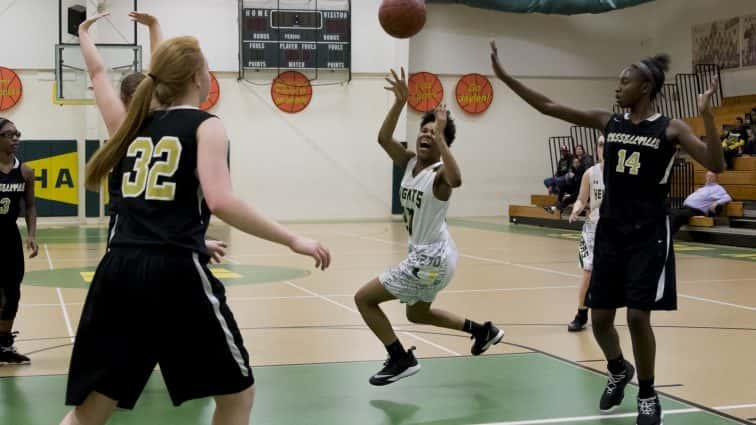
[[425, 91], [474, 93], [402, 18], [213, 95], [291, 92], [10, 88]]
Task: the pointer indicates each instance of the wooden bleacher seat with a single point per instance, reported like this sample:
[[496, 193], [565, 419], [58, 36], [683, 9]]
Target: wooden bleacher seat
[[742, 163], [701, 221], [728, 177], [740, 100], [543, 200], [740, 182], [532, 211], [733, 209], [731, 108]]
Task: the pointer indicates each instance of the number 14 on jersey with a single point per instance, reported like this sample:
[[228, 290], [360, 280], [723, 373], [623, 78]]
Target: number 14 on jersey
[[632, 163]]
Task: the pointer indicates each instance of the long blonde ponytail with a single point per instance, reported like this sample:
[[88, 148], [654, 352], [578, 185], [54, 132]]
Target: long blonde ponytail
[[174, 64]]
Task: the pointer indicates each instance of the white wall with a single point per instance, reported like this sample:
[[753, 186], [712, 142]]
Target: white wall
[[455, 40], [675, 19], [324, 163]]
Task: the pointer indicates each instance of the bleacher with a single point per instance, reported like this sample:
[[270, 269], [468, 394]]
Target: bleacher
[[735, 225]]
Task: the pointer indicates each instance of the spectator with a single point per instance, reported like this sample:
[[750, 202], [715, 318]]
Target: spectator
[[704, 201], [586, 161], [733, 148], [740, 128], [563, 168], [750, 147], [567, 187], [568, 190]]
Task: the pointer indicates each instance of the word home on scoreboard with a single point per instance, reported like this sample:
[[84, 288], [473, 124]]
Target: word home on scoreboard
[[295, 39]]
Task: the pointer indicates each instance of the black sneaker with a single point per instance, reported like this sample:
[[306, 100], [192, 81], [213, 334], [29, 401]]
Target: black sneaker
[[396, 369], [8, 353], [578, 324], [490, 335], [614, 392], [649, 411]]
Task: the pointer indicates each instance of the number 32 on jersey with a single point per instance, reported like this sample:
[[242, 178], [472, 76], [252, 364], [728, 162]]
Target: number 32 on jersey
[[143, 178]]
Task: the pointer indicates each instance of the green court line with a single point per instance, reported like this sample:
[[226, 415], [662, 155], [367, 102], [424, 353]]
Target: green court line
[[497, 389]]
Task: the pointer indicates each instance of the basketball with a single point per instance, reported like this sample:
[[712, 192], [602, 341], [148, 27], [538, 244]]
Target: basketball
[[402, 18]]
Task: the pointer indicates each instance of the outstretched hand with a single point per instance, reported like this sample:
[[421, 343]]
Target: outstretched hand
[[398, 86], [216, 249], [704, 100], [143, 18], [84, 26], [574, 216], [442, 117], [313, 249]]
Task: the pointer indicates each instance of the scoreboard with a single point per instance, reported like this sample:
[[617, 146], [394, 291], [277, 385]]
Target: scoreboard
[[295, 39]]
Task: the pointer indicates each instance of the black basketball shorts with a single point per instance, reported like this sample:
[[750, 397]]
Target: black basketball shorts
[[633, 266], [149, 307]]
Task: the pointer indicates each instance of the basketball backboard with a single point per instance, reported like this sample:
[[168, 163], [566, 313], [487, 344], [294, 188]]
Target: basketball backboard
[[116, 40]]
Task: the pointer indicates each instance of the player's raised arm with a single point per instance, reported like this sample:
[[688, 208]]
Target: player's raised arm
[[152, 23], [108, 102], [398, 153], [592, 118], [708, 152]]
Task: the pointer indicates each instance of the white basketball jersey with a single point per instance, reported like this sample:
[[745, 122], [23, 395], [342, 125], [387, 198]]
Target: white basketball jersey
[[596, 180], [424, 214]]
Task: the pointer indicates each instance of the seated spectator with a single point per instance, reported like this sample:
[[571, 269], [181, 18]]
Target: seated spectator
[[705, 201], [740, 128], [733, 148], [563, 168], [570, 187], [750, 147]]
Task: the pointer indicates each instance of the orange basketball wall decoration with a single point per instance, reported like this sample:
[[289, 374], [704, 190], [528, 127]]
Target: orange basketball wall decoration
[[10, 88], [291, 91], [425, 91], [213, 95], [474, 93]]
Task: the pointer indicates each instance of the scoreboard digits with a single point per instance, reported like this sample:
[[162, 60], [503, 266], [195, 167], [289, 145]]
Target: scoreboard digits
[[295, 39]]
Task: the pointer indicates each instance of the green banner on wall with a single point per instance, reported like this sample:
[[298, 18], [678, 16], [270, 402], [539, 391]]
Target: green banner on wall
[[56, 172]]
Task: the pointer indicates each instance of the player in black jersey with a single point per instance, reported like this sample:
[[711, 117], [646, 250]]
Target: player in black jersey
[[153, 300], [16, 184], [112, 105], [634, 263]]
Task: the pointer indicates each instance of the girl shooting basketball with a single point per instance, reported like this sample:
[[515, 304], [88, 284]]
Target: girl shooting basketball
[[634, 262], [152, 300], [431, 173], [16, 184]]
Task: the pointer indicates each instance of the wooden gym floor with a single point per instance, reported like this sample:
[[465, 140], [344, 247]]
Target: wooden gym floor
[[312, 355]]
